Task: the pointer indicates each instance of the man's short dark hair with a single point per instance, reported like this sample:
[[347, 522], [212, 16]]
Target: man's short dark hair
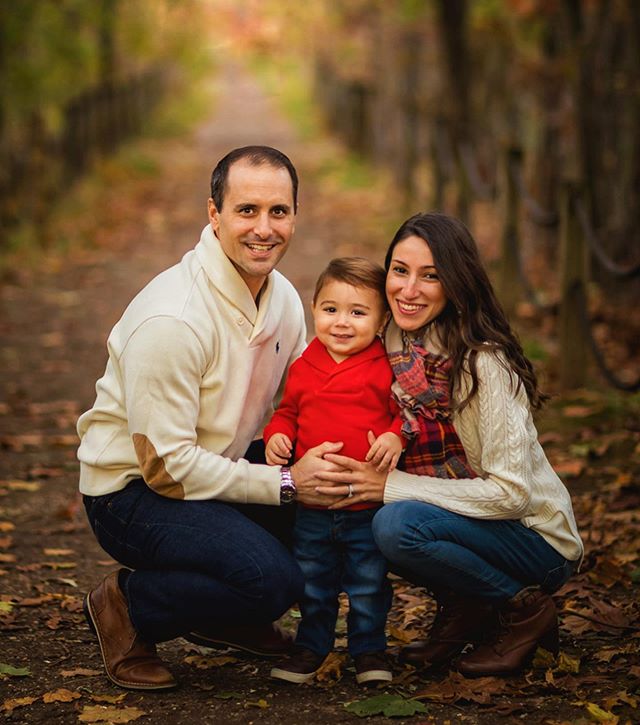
[[255, 156]]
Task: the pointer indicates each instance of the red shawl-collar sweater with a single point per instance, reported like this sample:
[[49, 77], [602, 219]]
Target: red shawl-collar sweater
[[329, 401]]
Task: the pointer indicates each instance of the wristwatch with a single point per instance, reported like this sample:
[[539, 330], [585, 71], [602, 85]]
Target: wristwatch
[[287, 486]]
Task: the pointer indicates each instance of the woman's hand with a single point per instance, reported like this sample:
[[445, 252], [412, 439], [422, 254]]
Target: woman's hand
[[307, 472], [355, 481]]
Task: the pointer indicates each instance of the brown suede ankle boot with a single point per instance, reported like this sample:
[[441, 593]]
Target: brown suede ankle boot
[[529, 619], [128, 660], [459, 621]]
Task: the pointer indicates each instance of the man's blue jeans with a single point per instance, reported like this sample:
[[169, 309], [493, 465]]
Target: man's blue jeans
[[196, 564], [485, 558], [336, 552]]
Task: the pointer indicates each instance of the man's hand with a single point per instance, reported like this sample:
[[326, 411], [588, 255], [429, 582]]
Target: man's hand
[[278, 450], [306, 475]]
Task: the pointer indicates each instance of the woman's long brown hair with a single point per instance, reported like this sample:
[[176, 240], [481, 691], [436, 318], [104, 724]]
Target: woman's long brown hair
[[473, 319]]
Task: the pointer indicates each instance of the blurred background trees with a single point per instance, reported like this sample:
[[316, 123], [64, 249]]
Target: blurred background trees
[[513, 114], [76, 78]]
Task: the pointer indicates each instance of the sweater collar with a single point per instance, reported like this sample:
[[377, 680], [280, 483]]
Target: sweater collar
[[316, 355], [225, 278]]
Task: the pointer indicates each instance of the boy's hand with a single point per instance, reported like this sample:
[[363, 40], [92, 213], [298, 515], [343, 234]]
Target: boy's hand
[[278, 450], [385, 451]]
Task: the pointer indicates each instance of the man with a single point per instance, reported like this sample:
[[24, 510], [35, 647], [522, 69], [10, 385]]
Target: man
[[194, 365]]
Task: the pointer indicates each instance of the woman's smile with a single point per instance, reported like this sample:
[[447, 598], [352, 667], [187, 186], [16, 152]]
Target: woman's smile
[[414, 291]]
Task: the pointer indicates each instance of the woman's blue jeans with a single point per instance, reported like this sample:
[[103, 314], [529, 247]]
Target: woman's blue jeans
[[336, 552], [196, 564], [484, 558]]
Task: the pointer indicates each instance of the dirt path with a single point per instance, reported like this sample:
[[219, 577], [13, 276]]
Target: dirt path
[[54, 321]]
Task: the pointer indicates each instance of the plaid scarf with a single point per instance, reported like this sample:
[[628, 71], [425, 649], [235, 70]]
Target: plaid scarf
[[421, 390]]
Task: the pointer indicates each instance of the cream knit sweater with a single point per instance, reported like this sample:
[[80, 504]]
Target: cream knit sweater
[[515, 479], [193, 370]]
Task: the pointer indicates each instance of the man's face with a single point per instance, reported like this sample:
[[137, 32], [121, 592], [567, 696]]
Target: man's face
[[256, 221]]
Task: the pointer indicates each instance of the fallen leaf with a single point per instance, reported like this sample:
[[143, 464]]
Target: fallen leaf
[[101, 713], [10, 705], [61, 695], [568, 664], [58, 552], [14, 671], [64, 440], [6, 542], [21, 485], [387, 704], [7, 558], [261, 703], [455, 687], [111, 699], [206, 663], [331, 668], [34, 601], [81, 672], [53, 622], [6, 526], [600, 715]]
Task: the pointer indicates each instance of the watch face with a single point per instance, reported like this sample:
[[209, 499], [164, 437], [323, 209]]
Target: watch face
[[287, 494]]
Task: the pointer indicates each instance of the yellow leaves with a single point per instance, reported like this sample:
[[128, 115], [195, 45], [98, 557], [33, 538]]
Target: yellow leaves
[[80, 672], [598, 714], [58, 552], [16, 485], [61, 695], [103, 713], [6, 526], [331, 669], [9, 706], [202, 662], [261, 703]]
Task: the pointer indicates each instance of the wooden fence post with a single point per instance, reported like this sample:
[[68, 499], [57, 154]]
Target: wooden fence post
[[509, 278], [573, 345]]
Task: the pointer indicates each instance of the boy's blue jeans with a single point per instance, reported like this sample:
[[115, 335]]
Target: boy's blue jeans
[[336, 552], [485, 558]]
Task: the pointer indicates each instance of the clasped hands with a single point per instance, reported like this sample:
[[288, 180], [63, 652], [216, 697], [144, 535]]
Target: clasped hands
[[323, 477]]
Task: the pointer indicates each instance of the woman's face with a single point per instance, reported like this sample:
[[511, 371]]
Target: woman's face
[[414, 291]]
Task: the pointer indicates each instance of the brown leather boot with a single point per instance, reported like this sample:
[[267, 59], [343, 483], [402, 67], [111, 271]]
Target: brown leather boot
[[459, 621], [528, 620], [128, 661]]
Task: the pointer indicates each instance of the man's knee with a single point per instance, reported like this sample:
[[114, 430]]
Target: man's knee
[[283, 585]]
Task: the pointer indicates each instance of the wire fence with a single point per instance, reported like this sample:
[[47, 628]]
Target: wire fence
[[577, 241], [38, 169]]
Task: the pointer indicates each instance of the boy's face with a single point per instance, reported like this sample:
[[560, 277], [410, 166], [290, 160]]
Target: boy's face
[[347, 318]]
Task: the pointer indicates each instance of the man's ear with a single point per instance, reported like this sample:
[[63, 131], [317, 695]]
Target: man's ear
[[213, 214]]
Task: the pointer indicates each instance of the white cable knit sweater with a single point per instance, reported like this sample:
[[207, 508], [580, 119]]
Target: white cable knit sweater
[[515, 479]]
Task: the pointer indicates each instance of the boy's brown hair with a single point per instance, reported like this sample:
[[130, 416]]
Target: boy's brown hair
[[355, 271]]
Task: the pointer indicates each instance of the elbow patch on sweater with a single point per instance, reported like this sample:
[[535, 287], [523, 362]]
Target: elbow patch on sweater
[[153, 469]]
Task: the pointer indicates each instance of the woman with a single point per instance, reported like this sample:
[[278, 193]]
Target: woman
[[478, 517]]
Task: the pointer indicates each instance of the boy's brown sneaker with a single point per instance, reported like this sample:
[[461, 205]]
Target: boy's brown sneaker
[[298, 667], [372, 667]]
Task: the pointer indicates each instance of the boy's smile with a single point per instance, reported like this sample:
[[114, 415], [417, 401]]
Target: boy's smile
[[347, 318]]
